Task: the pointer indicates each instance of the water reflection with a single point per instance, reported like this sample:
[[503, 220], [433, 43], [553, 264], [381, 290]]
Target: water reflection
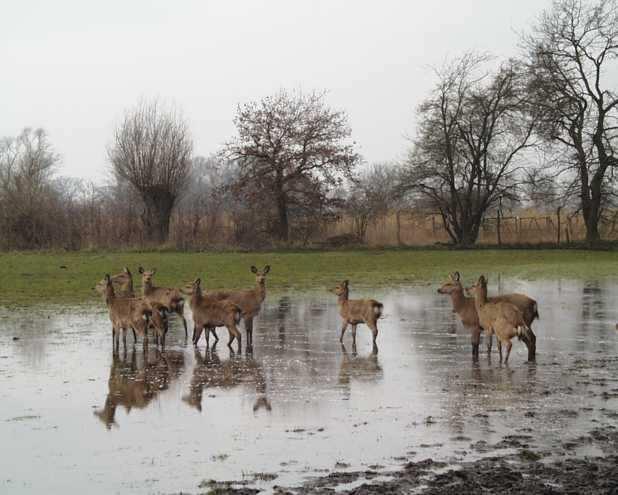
[[210, 372], [362, 369], [135, 379]]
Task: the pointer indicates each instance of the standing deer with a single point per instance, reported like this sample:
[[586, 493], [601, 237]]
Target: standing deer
[[171, 299], [466, 310], [123, 288], [250, 300], [502, 318], [130, 313], [355, 311], [209, 312]]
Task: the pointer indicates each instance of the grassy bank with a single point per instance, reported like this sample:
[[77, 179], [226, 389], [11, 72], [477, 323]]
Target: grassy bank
[[70, 277]]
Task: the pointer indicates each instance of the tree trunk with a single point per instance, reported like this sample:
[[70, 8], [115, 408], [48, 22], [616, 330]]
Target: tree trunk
[[398, 220], [157, 216], [282, 211]]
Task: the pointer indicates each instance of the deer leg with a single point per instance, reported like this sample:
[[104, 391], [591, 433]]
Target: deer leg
[[476, 341], [354, 334], [531, 345], [207, 337], [179, 312], [509, 345], [239, 338], [214, 334], [232, 337], [196, 334], [124, 337], [374, 330], [344, 327], [134, 335], [489, 336], [249, 330], [499, 348]]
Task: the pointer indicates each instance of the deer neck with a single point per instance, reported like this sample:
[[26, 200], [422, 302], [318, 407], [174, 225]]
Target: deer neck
[[109, 295], [147, 287], [260, 290], [458, 299], [342, 299], [480, 298], [196, 297]]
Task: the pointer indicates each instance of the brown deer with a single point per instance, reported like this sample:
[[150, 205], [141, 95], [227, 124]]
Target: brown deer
[[502, 318], [209, 312], [171, 299], [123, 288], [250, 300], [355, 311], [130, 313], [465, 309]]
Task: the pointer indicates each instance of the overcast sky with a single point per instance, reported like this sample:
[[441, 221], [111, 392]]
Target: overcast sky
[[72, 67]]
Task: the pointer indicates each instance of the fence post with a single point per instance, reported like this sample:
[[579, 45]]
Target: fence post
[[498, 227]]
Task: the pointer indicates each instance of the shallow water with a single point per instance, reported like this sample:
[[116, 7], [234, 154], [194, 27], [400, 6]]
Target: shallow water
[[76, 419]]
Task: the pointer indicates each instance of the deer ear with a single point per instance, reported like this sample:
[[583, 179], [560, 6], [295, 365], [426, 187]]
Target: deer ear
[[266, 269], [140, 269], [456, 276], [253, 269], [345, 283], [108, 279], [198, 281]]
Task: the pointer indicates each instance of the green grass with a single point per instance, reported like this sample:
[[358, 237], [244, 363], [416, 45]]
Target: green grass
[[27, 278]]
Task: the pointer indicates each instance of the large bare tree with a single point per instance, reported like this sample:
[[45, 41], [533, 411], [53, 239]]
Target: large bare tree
[[152, 150], [292, 149], [472, 129], [571, 56]]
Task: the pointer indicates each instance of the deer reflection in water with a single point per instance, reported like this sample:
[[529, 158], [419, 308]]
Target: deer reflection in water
[[365, 368], [135, 380], [211, 372]]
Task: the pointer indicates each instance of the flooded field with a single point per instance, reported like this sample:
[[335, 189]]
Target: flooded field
[[301, 410]]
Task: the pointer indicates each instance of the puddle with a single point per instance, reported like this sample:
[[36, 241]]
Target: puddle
[[75, 418]]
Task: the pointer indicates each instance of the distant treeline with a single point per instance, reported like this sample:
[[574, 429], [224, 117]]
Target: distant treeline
[[493, 136]]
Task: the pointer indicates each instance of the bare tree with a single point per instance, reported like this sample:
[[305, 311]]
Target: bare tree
[[152, 151], [472, 130], [570, 55], [373, 194], [27, 163], [292, 150]]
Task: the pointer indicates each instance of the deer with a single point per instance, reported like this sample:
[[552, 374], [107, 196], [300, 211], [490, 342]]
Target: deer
[[210, 312], [466, 310], [249, 300], [501, 317], [356, 311], [169, 298], [130, 313], [123, 287]]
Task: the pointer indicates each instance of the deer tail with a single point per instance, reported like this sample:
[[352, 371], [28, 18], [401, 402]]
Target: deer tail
[[377, 308], [535, 311]]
